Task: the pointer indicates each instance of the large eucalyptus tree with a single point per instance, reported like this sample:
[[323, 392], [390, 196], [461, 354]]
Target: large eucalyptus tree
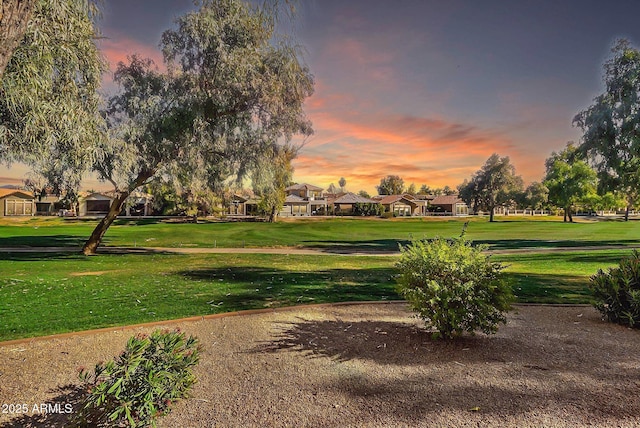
[[611, 126], [50, 70], [233, 91]]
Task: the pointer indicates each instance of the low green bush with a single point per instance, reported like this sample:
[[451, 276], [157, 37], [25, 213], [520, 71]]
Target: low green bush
[[617, 291], [453, 286], [141, 383]]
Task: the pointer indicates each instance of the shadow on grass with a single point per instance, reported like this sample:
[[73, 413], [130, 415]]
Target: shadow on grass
[[343, 247], [43, 241], [512, 244], [256, 287], [548, 288], [54, 413], [29, 256]]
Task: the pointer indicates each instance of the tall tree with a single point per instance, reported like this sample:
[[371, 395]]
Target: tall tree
[[610, 125], [536, 195], [424, 190], [271, 176], [390, 185], [14, 17], [232, 92], [569, 180], [412, 189], [496, 183], [50, 70], [342, 183]]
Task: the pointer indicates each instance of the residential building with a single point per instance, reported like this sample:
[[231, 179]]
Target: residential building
[[344, 204], [15, 202], [304, 200], [403, 205], [449, 204]]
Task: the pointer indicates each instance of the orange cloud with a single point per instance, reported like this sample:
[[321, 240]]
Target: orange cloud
[[116, 49]]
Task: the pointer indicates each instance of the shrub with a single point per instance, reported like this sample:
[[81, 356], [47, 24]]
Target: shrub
[[617, 291], [453, 286], [139, 384]]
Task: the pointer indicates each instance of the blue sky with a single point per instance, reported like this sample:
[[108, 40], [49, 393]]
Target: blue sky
[[427, 90]]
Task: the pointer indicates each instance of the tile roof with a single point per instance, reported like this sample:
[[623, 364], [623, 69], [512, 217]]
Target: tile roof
[[352, 198], [304, 186], [8, 192], [446, 200], [390, 199], [293, 198]]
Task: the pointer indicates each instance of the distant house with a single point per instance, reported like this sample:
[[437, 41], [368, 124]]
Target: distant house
[[451, 204], [303, 200], [47, 205], [403, 205], [94, 204], [15, 202], [241, 206], [345, 203]]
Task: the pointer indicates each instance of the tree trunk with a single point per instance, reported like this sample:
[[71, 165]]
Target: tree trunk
[[491, 210], [14, 17], [564, 219], [569, 214], [626, 213], [273, 215], [95, 239]]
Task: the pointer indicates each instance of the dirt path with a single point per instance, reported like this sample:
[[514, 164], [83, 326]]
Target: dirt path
[[366, 365]]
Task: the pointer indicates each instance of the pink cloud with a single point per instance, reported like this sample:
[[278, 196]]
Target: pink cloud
[[116, 49]]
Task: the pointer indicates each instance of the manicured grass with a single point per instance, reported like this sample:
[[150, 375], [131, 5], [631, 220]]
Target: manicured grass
[[560, 277], [336, 234], [52, 293]]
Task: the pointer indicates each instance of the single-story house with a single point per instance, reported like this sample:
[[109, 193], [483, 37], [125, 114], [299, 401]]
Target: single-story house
[[403, 205], [16, 202], [94, 204], [450, 204], [47, 205], [242, 206], [345, 203]]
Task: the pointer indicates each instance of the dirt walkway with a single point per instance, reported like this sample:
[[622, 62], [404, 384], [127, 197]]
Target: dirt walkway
[[367, 365]]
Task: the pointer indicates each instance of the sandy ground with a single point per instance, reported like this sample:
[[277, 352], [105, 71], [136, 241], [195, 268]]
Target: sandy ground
[[365, 365]]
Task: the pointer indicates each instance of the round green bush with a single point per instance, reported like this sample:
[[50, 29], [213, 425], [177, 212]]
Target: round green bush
[[617, 291], [453, 286]]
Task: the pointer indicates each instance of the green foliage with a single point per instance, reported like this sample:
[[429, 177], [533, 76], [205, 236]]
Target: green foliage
[[367, 209], [496, 183], [453, 286], [232, 92], [569, 179], [610, 125], [48, 92], [617, 291], [140, 384], [390, 185]]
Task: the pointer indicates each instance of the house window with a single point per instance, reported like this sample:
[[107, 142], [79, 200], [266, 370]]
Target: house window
[[98, 206], [18, 207]]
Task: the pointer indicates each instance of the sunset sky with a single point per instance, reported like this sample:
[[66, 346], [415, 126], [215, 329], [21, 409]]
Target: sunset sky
[[427, 90]]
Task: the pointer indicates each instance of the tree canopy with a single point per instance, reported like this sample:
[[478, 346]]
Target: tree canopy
[[496, 183], [568, 179], [610, 125], [390, 185], [231, 94], [48, 90]]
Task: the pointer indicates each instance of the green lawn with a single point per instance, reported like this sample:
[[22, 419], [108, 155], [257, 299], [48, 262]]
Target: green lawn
[[51, 293], [339, 233]]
